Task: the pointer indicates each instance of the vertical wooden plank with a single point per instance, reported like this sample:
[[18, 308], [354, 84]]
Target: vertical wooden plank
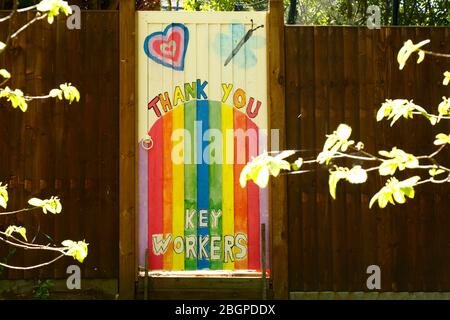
[[190, 186], [203, 182], [178, 188], [368, 136], [215, 184], [294, 54], [252, 146], [387, 219], [203, 179], [278, 198], [435, 219], [355, 276], [308, 143], [417, 215], [442, 218], [322, 218], [142, 132], [127, 243], [338, 210], [165, 101], [70, 58], [253, 209], [216, 155], [156, 196], [22, 123], [106, 178], [240, 152], [240, 194], [90, 159], [228, 158], [228, 181], [192, 156], [167, 188]]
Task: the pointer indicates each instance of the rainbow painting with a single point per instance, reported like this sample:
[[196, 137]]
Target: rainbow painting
[[200, 122], [198, 215]]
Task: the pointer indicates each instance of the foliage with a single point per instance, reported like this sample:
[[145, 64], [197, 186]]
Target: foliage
[[78, 250], [16, 236], [4, 260], [354, 12], [42, 289], [338, 145], [223, 5]]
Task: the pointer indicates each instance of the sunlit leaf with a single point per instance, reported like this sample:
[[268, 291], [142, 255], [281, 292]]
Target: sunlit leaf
[[446, 78], [52, 205], [395, 191], [434, 172], [78, 250], [297, 164], [260, 168], [357, 175], [3, 195], [399, 159], [14, 229], [408, 48], [442, 139], [53, 7], [4, 73]]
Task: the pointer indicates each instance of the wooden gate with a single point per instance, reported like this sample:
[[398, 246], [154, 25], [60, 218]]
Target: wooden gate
[[202, 114]]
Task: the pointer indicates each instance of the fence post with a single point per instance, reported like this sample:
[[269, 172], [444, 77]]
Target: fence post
[[277, 120], [127, 122]]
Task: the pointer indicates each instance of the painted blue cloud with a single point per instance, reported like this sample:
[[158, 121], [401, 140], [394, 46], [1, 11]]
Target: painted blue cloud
[[224, 43]]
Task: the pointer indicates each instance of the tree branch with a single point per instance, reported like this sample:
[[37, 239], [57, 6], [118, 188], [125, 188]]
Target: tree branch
[[29, 23], [31, 267], [17, 211]]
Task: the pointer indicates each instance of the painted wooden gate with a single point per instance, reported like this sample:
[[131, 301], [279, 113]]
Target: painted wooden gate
[[202, 100]]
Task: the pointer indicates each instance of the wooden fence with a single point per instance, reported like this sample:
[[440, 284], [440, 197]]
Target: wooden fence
[[66, 150], [333, 75], [343, 74]]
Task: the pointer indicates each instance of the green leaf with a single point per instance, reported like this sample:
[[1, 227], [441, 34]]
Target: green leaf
[[395, 191], [336, 141], [357, 175], [343, 132], [399, 159], [434, 172], [446, 80], [408, 48], [297, 164], [53, 7], [15, 97], [332, 183], [395, 109], [53, 204], [70, 92], [56, 93], [78, 250], [20, 230], [442, 139], [4, 73], [35, 202], [261, 167], [3, 195]]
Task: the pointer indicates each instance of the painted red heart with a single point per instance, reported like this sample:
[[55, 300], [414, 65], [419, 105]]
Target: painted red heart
[[169, 47]]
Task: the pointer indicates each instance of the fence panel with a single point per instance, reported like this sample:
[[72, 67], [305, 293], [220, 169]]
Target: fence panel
[[66, 150], [343, 74]]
